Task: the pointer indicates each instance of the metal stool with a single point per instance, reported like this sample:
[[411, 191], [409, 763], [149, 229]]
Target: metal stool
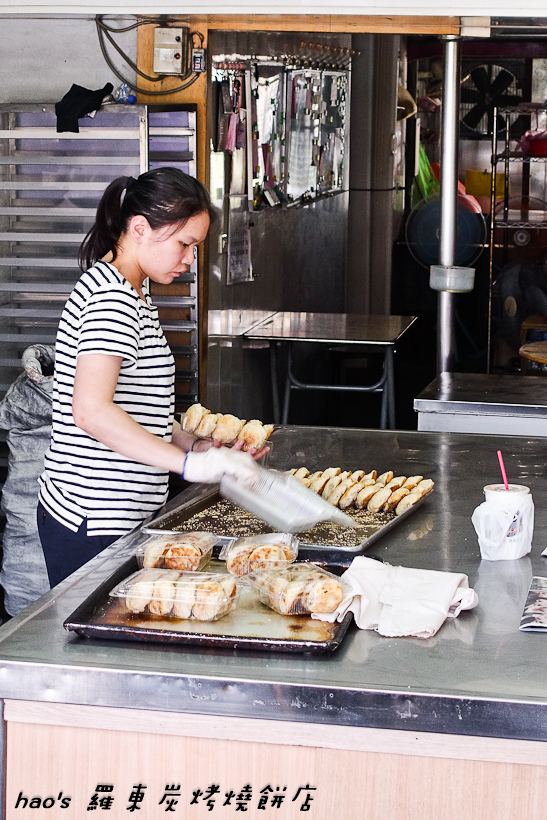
[[533, 352]]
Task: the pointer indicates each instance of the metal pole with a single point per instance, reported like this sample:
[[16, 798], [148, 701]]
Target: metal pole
[[449, 197]]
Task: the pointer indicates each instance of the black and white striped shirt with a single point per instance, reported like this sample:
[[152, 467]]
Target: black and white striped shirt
[[84, 479]]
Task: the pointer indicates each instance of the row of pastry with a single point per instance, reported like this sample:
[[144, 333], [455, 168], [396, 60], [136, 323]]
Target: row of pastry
[[225, 427], [198, 595], [292, 589], [359, 490]]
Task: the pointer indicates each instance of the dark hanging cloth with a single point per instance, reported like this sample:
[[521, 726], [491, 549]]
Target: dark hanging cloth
[[25, 412], [77, 103]]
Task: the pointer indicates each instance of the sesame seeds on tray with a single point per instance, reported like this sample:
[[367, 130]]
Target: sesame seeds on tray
[[227, 519]]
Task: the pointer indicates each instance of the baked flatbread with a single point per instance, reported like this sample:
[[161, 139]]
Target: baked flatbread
[[228, 428], [184, 597], [183, 552], [407, 502], [206, 426], [378, 500], [412, 481], [364, 495], [351, 494], [163, 595], [210, 599], [255, 434], [395, 497], [318, 483], [396, 482], [357, 475], [338, 492], [268, 557], [141, 591], [331, 484], [324, 595], [192, 417], [425, 486], [185, 558], [299, 589]]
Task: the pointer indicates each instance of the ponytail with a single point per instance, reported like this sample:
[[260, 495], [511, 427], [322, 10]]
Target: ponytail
[[164, 196]]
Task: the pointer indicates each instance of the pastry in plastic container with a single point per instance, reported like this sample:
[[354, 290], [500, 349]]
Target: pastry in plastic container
[[201, 596], [185, 551], [298, 589], [268, 551]]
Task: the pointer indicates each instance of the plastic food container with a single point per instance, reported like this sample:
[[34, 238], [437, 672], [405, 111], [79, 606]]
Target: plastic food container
[[200, 596], [282, 502], [185, 551], [268, 551], [298, 589]]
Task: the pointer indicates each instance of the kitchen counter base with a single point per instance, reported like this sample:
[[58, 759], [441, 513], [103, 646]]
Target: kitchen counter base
[[350, 772]]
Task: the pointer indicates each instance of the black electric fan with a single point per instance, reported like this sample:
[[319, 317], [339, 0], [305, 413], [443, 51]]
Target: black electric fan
[[423, 228], [483, 89]]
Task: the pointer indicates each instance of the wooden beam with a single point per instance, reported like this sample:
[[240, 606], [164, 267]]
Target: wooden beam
[[328, 23], [335, 23]]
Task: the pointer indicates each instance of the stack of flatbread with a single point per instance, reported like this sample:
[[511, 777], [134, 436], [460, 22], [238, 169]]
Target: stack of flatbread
[[298, 589], [255, 552], [358, 489], [198, 595], [187, 552], [225, 428]]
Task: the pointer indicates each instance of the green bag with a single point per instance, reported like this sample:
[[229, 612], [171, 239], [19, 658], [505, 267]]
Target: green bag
[[425, 182]]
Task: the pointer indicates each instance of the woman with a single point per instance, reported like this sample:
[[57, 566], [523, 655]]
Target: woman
[[114, 438]]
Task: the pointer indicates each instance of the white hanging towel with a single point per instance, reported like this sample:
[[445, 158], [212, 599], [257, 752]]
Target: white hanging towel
[[400, 601]]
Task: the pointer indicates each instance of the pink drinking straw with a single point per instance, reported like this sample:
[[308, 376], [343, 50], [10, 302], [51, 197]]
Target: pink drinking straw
[[502, 468]]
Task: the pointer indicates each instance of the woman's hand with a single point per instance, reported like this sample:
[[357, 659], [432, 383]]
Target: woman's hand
[[201, 445], [252, 451], [210, 467], [188, 441]]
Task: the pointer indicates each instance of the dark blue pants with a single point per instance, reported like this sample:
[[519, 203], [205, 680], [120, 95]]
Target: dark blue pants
[[66, 551]]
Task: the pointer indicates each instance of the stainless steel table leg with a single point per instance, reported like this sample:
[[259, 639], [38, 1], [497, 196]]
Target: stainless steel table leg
[[390, 384], [387, 413], [275, 388], [288, 385]]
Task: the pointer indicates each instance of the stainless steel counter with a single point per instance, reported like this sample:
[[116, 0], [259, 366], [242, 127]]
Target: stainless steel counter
[[479, 675], [480, 403]]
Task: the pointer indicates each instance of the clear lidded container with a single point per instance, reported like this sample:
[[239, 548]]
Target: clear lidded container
[[254, 552], [184, 551], [201, 596], [298, 589]]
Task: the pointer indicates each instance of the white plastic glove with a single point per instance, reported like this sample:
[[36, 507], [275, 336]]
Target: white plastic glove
[[209, 467]]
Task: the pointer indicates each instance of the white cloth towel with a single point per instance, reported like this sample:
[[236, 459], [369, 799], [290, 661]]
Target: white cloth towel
[[399, 601]]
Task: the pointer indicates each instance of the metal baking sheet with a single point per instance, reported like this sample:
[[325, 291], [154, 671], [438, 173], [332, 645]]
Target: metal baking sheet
[[173, 521], [251, 625]]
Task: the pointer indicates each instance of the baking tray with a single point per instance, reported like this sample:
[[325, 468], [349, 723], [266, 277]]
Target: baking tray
[[251, 625], [173, 521]]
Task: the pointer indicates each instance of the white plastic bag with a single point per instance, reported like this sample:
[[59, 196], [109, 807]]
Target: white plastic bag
[[504, 523]]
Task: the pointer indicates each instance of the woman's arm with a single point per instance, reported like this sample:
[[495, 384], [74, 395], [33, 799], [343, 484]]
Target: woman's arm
[[94, 411]]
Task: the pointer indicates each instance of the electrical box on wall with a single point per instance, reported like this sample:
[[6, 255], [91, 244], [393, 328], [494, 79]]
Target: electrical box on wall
[[170, 48]]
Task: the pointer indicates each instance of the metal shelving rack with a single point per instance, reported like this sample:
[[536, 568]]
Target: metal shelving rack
[[507, 222], [50, 185]]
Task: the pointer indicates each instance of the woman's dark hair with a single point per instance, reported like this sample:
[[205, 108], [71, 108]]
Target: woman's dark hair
[[165, 196]]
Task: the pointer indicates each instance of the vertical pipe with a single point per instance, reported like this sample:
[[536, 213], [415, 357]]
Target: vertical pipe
[[449, 196]]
